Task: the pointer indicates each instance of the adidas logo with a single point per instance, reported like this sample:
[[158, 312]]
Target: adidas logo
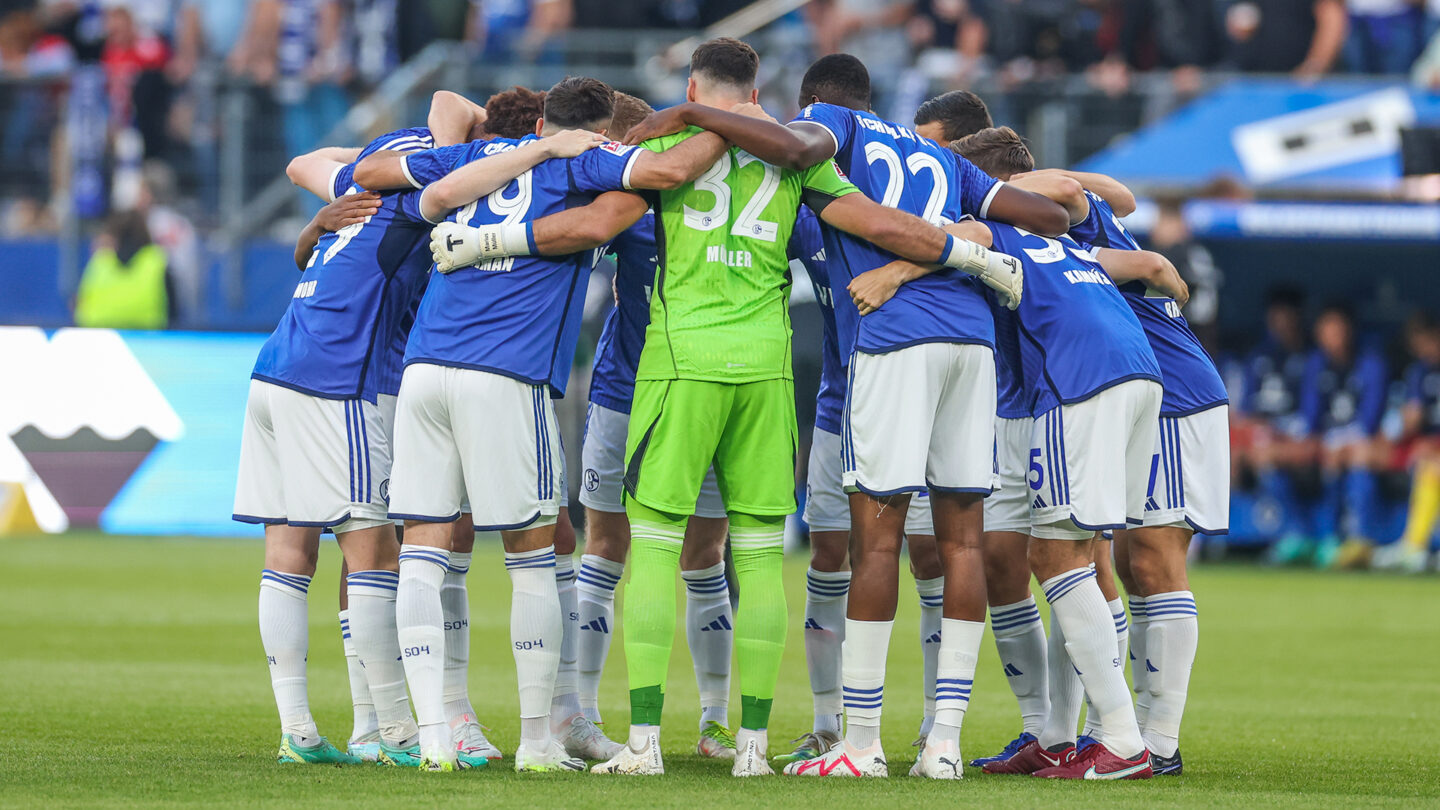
[[934, 638], [811, 624], [721, 623], [1012, 671], [1038, 504], [597, 624], [1151, 505], [1149, 667]]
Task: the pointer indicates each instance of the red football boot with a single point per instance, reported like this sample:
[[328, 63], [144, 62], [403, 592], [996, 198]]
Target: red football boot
[[1031, 758], [1097, 762]]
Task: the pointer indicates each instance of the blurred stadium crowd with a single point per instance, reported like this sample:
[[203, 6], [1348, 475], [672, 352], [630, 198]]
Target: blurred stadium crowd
[[114, 113]]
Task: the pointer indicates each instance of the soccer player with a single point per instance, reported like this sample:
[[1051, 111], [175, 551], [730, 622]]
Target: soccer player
[[502, 335], [1189, 490], [951, 116], [709, 623], [1421, 416], [734, 223], [1273, 435], [1343, 399], [315, 454], [925, 361], [827, 514], [1097, 398]]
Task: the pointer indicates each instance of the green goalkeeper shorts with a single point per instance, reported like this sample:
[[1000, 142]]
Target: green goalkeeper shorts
[[679, 427]]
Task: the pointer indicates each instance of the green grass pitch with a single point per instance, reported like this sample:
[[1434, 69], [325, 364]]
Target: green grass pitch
[[133, 676]]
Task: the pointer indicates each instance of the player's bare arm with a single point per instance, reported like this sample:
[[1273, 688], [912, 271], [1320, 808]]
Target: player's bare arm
[[475, 180], [587, 227], [871, 289], [382, 171], [1146, 266], [911, 237], [1115, 193], [678, 165], [1066, 191], [313, 171], [454, 118], [1035, 213], [347, 210], [798, 146]]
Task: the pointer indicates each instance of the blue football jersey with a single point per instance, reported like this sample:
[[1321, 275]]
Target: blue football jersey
[[895, 167], [1078, 336], [1272, 380], [1335, 396], [1014, 395], [344, 332], [1192, 383], [617, 353], [808, 247], [518, 316], [1422, 390]]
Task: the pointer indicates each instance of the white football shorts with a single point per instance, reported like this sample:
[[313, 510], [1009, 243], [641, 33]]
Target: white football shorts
[[1189, 480], [1008, 508], [602, 454], [466, 435], [310, 461], [827, 506], [919, 418], [1089, 462]]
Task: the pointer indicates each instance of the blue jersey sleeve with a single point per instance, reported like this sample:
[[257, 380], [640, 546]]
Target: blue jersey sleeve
[[604, 168], [1374, 379], [838, 121], [974, 189], [341, 181], [424, 168], [407, 211]]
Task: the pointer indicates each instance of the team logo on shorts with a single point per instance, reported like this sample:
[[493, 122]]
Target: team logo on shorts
[[592, 479], [385, 491]]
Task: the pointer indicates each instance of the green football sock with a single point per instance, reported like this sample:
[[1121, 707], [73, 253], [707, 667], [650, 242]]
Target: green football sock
[[649, 612], [757, 546]]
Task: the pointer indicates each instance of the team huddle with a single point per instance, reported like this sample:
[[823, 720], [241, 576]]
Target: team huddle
[[1008, 388]]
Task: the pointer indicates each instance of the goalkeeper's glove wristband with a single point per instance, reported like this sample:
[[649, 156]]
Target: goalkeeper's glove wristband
[[999, 271]]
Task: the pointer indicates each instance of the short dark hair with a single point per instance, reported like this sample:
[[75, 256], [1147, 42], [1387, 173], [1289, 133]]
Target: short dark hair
[[838, 78], [513, 113], [580, 102], [1285, 295], [997, 151], [726, 60], [959, 113], [629, 111], [1338, 306]]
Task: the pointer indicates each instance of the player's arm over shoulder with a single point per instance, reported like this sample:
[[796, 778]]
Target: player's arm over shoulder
[[1147, 266], [667, 163]]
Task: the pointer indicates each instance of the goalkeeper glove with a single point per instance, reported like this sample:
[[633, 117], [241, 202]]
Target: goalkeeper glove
[[1000, 272], [454, 246]]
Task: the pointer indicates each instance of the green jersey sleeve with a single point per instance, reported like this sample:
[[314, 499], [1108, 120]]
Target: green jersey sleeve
[[827, 179]]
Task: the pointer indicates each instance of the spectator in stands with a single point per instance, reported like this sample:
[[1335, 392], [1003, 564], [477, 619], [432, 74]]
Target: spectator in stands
[[1171, 236], [175, 234], [125, 285], [872, 30], [1270, 433], [29, 111], [522, 31], [1422, 428], [949, 39], [1385, 35], [1343, 399], [1301, 37], [134, 58]]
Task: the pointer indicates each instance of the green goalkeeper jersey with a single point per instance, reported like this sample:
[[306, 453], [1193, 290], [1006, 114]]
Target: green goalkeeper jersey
[[720, 310]]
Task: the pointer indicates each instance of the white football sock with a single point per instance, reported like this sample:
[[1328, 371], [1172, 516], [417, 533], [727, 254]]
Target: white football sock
[[932, 599], [285, 634], [364, 721], [710, 630], [863, 667], [1020, 641], [826, 595], [1093, 726], [1089, 628], [536, 635], [1170, 642], [455, 604], [955, 676], [595, 587], [419, 622], [1065, 692], [566, 702], [372, 615], [1139, 664]]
